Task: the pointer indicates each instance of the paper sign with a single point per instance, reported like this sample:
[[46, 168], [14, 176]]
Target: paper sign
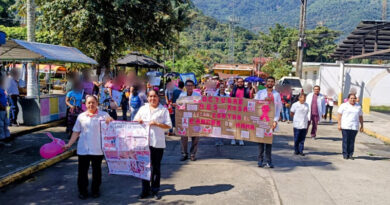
[[126, 148], [225, 117]]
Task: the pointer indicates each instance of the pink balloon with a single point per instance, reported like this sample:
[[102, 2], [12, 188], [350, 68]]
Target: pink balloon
[[52, 149]]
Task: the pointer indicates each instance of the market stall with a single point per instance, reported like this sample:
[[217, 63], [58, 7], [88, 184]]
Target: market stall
[[47, 107]]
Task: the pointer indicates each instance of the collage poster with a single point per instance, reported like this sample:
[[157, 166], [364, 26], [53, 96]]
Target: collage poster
[[225, 117], [126, 148]]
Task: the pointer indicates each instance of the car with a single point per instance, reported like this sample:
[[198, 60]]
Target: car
[[293, 82]]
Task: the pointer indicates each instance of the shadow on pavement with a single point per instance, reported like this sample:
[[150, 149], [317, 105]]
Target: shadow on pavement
[[195, 190], [372, 158]]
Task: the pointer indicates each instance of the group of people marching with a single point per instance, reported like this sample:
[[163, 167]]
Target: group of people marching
[[126, 91]]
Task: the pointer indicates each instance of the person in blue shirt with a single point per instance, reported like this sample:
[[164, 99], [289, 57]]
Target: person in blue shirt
[[73, 100], [4, 131]]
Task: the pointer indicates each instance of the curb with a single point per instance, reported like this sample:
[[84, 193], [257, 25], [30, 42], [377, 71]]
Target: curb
[[37, 128], [372, 133], [35, 167]]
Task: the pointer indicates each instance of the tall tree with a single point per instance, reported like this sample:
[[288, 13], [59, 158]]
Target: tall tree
[[105, 28]]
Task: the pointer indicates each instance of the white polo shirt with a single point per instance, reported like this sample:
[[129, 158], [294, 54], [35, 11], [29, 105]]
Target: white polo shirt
[[300, 111], [350, 116], [89, 127], [159, 115]]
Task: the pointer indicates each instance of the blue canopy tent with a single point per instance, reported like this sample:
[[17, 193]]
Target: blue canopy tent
[[38, 110]]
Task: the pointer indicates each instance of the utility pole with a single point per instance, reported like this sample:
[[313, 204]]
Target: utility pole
[[233, 20], [384, 9], [302, 25]]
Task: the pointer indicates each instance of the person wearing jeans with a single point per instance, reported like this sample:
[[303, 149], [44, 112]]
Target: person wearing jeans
[[299, 112], [159, 121], [350, 115], [89, 148]]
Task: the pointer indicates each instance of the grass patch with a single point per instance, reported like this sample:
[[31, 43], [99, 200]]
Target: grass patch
[[380, 108]]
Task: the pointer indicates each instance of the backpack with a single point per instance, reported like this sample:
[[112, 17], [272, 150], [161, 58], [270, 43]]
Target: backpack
[[135, 102]]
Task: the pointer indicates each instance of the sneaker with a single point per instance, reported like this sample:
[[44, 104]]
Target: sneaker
[[302, 154], [260, 163], [143, 195], [184, 158], [241, 143], [96, 195], [233, 142], [156, 196], [330, 121], [193, 158], [345, 157], [269, 165], [83, 196]]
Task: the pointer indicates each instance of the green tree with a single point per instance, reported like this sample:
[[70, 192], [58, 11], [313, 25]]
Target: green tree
[[320, 44], [277, 68], [106, 28], [188, 64], [6, 16]]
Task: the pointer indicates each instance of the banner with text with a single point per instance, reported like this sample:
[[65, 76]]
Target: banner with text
[[126, 148], [225, 117]]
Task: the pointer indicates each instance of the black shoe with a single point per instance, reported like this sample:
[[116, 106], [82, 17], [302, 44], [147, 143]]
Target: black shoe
[[96, 195], [351, 158], [269, 165], [143, 195], [193, 158], [156, 196], [345, 157], [184, 158], [302, 154], [260, 163], [296, 153], [83, 196]]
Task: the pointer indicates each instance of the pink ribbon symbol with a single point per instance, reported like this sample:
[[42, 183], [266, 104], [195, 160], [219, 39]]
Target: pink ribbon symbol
[[265, 110]]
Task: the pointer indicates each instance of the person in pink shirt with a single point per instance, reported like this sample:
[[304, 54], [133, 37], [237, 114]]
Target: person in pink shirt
[[239, 91]]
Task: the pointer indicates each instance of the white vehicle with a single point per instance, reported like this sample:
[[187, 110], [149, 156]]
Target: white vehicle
[[293, 82]]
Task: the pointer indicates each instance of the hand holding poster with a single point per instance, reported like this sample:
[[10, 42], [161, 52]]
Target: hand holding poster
[[224, 117], [126, 148]]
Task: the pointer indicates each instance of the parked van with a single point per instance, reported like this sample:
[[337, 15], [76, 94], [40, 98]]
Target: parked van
[[293, 82]]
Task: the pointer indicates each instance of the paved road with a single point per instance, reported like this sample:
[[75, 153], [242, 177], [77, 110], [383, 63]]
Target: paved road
[[229, 175]]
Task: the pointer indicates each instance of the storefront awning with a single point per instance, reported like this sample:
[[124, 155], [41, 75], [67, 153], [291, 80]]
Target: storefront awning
[[18, 50]]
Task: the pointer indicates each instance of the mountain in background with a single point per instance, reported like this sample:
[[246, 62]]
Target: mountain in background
[[259, 15]]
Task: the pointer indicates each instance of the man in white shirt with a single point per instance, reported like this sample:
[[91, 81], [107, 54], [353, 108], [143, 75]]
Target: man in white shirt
[[13, 92], [299, 112], [316, 102], [189, 84], [271, 95]]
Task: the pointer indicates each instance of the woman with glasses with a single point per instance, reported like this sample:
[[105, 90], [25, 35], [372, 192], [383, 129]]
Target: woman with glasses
[[350, 115]]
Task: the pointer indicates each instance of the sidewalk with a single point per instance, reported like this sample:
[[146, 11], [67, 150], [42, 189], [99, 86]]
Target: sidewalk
[[23, 151]]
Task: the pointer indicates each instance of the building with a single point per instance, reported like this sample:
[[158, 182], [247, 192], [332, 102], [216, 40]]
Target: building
[[369, 80], [242, 70]]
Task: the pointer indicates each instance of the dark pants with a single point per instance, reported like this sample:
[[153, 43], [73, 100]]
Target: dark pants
[[15, 109], [299, 140], [194, 146], [82, 180], [173, 122], [314, 119], [329, 109], [125, 108], [153, 185], [348, 142], [268, 150]]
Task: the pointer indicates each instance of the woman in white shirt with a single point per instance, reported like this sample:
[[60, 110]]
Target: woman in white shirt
[[350, 115], [89, 149], [298, 112], [159, 121]]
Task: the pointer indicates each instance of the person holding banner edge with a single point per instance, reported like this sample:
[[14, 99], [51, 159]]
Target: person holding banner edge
[[269, 94], [159, 121], [184, 139], [89, 148]]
